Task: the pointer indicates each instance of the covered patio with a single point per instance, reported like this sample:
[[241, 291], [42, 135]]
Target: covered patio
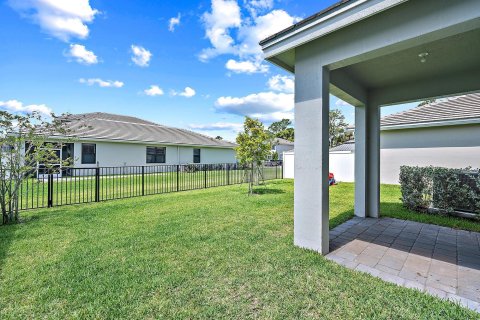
[[441, 261], [369, 53]]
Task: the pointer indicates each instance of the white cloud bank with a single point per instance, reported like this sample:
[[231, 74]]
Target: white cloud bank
[[62, 19], [224, 21], [220, 126], [81, 55], [265, 106], [102, 83], [141, 56], [174, 22], [16, 106], [248, 67], [153, 91]]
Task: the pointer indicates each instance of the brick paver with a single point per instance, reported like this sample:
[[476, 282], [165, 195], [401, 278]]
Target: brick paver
[[441, 261]]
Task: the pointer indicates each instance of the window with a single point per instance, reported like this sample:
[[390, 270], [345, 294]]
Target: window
[[196, 156], [156, 154], [89, 155]]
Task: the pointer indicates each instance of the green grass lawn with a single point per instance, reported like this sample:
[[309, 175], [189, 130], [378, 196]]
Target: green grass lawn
[[212, 253]]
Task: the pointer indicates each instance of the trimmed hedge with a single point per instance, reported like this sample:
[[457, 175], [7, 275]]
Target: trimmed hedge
[[445, 189]]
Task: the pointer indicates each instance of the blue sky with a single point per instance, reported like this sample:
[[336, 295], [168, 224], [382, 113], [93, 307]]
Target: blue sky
[[189, 64]]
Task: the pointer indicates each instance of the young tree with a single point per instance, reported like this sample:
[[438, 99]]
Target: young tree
[[254, 145], [337, 128], [282, 129], [24, 145], [218, 138]]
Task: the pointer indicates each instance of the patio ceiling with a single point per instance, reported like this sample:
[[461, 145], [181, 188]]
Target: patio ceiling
[[451, 55]]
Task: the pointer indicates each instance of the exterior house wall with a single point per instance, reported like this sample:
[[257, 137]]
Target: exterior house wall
[[281, 148], [116, 154], [448, 146]]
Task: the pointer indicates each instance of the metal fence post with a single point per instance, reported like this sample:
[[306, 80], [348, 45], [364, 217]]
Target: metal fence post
[[97, 184], [276, 170], [178, 170], [228, 173], [50, 190], [282, 169], [143, 180], [205, 175]]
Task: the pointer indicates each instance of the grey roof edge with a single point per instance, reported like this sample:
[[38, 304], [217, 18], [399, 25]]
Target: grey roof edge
[[315, 16], [84, 117]]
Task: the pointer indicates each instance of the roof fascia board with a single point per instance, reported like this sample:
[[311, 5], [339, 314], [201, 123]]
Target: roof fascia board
[[376, 7], [430, 124]]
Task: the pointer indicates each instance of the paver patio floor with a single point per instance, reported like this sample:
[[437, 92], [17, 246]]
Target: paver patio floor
[[438, 260]]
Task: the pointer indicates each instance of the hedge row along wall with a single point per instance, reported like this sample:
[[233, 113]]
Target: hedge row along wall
[[445, 189]]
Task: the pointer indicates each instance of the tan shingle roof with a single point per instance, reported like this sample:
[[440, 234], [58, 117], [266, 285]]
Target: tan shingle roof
[[466, 107], [107, 126]]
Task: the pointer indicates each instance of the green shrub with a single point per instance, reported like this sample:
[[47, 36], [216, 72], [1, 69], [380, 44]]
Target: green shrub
[[441, 188]]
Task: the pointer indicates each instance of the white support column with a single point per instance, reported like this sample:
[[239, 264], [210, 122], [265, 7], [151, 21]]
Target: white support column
[[367, 161], [311, 157]]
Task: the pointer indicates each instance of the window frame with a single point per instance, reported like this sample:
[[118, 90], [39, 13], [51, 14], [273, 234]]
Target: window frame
[[94, 153], [156, 154], [199, 155]]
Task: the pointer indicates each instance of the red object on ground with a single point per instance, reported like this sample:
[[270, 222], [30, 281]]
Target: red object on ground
[[331, 179]]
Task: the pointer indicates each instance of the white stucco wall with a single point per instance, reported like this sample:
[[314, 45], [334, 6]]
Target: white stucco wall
[[449, 146], [115, 154], [342, 165], [288, 164], [452, 147]]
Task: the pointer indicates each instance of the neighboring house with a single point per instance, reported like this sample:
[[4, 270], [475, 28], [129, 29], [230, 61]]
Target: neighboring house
[[443, 134], [110, 140], [280, 146]]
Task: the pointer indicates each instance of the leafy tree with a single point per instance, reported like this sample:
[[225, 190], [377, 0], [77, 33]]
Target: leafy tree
[[287, 134], [218, 138], [428, 101], [275, 156], [24, 145], [254, 145], [337, 128], [282, 129]]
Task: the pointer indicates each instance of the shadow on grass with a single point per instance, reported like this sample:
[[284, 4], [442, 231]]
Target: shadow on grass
[[267, 190], [341, 218], [7, 236]]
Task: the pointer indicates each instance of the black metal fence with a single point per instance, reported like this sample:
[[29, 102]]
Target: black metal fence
[[84, 185]]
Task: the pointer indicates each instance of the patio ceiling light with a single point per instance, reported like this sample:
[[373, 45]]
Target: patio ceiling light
[[423, 57]]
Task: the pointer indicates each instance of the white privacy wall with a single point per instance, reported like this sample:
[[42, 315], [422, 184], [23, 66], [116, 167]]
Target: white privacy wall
[[116, 154], [452, 147]]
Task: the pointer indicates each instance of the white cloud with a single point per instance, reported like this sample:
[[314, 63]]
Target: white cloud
[[102, 83], [153, 91], [232, 126], [229, 34], [187, 92], [141, 56], [266, 106], [263, 26], [248, 67], [60, 18], [82, 55], [16, 106], [281, 83], [225, 15], [173, 22]]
